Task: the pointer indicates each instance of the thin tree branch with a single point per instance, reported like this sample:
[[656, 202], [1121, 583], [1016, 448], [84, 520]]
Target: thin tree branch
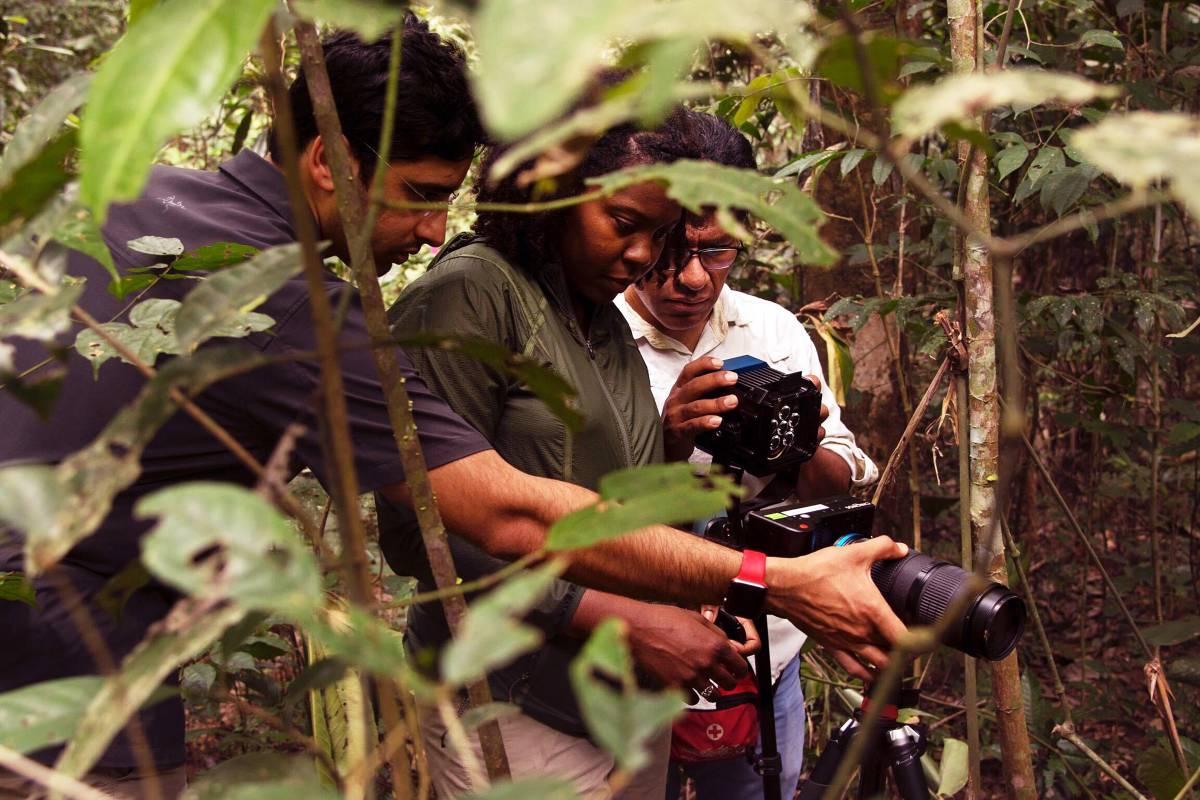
[[44, 776]]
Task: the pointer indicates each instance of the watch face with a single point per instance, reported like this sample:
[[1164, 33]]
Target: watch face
[[745, 599]]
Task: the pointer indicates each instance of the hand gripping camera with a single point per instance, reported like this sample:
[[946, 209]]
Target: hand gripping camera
[[774, 425]]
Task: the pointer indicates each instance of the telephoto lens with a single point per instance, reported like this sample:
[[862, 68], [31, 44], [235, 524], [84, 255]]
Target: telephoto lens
[[920, 589]]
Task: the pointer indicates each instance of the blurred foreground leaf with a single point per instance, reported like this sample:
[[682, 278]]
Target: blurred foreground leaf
[[634, 498], [166, 74]]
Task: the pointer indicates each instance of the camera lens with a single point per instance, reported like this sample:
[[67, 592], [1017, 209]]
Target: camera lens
[[920, 589]]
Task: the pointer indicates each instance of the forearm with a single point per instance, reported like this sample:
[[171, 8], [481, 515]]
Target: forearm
[[595, 606], [825, 474], [507, 513]]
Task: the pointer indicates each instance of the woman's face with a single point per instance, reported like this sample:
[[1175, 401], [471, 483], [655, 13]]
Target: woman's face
[[609, 243]]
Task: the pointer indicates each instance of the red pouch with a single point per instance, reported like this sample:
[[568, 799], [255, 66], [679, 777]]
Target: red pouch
[[723, 728]]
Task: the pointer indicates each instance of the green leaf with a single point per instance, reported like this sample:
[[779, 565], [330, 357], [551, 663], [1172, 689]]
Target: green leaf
[[549, 387], [541, 787], [1098, 38], [839, 63], [56, 507], [218, 534], [151, 333], [852, 160], [837, 355], [634, 498], [39, 316], [156, 245], [806, 162], [1010, 159], [1174, 632], [953, 768], [16, 588], [35, 183], [224, 299], [1158, 770], [186, 632], [261, 776], [213, 257], [476, 716], [881, 170], [1142, 147], [962, 97], [44, 714], [337, 703], [320, 673], [621, 720], [699, 184], [529, 74], [1063, 189], [78, 230], [490, 636], [369, 18], [165, 75]]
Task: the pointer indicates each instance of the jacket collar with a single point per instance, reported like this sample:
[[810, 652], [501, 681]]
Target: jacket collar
[[262, 179], [726, 313]]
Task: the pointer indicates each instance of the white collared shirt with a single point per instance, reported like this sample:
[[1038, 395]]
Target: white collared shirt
[[741, 324]]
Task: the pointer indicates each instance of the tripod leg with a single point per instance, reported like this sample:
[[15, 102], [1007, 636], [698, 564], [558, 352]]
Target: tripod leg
[[827, 765], [768, 763], [904, 751]]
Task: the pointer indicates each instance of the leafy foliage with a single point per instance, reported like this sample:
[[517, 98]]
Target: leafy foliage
[[144, 92]]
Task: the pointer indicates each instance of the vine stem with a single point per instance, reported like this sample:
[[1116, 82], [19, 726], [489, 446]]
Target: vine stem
[[1067, 731], [44, 776], [344, 488], [1066, 509], [352, 206]]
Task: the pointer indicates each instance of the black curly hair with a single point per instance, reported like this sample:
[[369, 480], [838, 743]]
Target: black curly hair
[[528, 240], [436, 115]]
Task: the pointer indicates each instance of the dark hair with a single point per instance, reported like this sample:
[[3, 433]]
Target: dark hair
[[527, 240], [717, 140], [435, 114]]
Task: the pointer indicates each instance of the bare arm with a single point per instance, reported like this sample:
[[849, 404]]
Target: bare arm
[[507, 513]]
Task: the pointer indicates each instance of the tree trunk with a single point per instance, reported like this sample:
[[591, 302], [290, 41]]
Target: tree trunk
[[973, 263]]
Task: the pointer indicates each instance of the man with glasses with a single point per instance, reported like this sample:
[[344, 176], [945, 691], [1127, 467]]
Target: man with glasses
[[685, 321]]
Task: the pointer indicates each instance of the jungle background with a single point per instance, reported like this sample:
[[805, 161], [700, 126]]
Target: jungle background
[[1105, 331]]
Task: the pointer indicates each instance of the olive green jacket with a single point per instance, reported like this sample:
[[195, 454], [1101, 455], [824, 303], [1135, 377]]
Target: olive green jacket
[[471, 290]]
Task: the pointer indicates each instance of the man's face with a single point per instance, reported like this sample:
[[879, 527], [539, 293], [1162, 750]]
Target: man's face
[[400, 233], [685, 299]]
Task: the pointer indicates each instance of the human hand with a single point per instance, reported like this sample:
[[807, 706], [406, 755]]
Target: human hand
[[689, 410], [676, 647], [816, 381], [749, 643], [830, 595]]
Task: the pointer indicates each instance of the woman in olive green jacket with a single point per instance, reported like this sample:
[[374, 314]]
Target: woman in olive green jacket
[[543, 285]]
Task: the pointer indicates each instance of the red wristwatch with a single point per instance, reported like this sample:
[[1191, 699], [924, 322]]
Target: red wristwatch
[[747, 593]]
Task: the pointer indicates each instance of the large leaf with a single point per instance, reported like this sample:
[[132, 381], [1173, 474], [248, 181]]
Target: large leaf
[[634, 498], [700, 184], [953, 769], [16, 588], [56, 507], [226, 297], [369, 18], [1142, 147], [336, 709], [166, 74], [549, 387], [44, 714], [218, 534], [490, 637], [1174, 632], [33, 160], [530, 73], [186, 632], [152, 331], [961, 98], [39, 316], [261, 776], [621, 720], [542, 788]]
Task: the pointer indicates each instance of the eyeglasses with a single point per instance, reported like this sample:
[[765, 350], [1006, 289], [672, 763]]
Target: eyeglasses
[[423, 213], [713, 259]]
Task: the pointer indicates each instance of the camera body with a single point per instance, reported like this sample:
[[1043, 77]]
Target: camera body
[[775, 423]]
